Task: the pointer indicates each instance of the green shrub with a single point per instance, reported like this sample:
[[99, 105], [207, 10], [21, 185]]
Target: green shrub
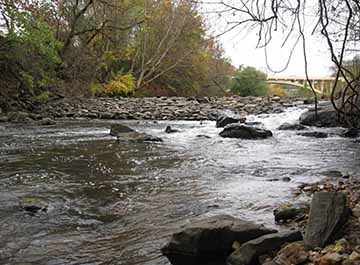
[[43, 97], [96, 89], [249, 82]]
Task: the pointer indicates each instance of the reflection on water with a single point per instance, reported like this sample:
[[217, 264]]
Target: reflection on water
[[117, 203]]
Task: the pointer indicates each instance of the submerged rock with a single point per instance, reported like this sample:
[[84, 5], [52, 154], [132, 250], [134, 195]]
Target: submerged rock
[[292, 127], [314, 134], [124, 133], [33, 205], [224, 120], [249, 252], [328, 213], [245, 132], [211, 238], [351, 133]]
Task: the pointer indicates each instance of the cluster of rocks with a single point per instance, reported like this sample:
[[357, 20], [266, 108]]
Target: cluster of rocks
[[324, 232], [155, 108]]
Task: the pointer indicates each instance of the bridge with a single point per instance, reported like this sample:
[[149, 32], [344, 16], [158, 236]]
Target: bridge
[[321, 85]]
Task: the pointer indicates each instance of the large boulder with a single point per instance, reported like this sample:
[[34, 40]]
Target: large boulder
[[211, 238], [249, 252], [326, 117], [124, 133], [245, 132], [328, 213]]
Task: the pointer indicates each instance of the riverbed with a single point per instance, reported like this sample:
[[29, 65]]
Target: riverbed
[[112, 202]]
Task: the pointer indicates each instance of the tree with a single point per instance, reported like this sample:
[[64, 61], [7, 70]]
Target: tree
[[249, 82]]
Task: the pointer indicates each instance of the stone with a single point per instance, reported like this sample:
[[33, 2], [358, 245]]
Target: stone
[[293, 253], [314, 134], [328, 212], [332, 173], [47, 122], [138, 137], [355, 256], [118, 129], [292, 127], [106, 115], [222, 121], [212, 237], [289, 212], [33, 205], [244, 132], [356, 210], [4, 119], [327, 117], [19, 117], [168, 129], [331, 259], [351, 133], [249, 252]]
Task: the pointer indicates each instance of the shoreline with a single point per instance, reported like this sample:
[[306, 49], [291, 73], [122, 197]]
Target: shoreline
[[154, 108]]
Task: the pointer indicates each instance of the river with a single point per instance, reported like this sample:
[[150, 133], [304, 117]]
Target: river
[[118, 203]]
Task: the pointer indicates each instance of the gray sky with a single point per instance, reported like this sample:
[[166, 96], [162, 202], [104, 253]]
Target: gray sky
[[241, 48]]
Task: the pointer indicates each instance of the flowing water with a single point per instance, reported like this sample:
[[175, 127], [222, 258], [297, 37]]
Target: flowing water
[[118, 203]]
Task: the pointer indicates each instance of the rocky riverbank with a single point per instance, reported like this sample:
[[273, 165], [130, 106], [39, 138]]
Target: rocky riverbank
[[156, 108], [325, 231]]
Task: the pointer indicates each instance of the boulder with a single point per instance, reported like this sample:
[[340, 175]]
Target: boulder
[[292, 127], [249, 252], [328, 212], [211, 238], [46, 122], [289, 212], [223, 120], [244, 132], [314, 134], [327, 117]]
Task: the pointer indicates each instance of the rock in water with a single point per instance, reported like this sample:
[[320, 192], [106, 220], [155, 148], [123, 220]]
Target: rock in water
[[288, 212], [118, 129], [244, 132], [292, 127], [351, 133], [124, 133], [224, 120], [212, 238], [328, 213], [168, 129], [314, 134], [327, 117], [249, 252]]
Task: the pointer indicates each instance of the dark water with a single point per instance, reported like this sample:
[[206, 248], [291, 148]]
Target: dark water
[[117, 203]]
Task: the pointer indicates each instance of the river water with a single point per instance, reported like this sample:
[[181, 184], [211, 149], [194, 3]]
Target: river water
[[118, 203]]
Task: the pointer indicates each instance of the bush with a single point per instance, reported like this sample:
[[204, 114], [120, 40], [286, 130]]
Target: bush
[[249, 82], [121, 86], [277, 91]]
